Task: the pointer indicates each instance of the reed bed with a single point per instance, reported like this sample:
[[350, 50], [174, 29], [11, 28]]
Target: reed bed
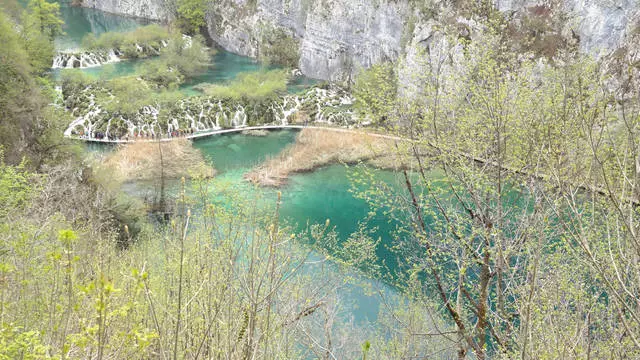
[[143, 161], [315, 148]]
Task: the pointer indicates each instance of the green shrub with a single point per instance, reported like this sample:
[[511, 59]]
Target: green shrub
[[253, 87], [178, 61], [73, 80], [16, 187], [128, 95], [279, 47], [191, 15], [18, 344], [375, 92]]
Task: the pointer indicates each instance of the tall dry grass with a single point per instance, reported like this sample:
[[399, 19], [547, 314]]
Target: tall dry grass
[[315, 148], [142, 161]]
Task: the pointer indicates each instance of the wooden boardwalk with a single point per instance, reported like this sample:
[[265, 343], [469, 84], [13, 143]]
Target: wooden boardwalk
[[207, 133]]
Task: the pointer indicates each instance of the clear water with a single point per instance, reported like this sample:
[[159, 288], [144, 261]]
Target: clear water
[[313, 197], [223, 67], [232, 152], [309, 198]]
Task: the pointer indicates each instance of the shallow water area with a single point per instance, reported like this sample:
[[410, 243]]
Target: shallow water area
[[224, 66]]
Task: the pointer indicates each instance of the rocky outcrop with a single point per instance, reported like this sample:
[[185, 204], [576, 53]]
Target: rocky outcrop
[[335, 38]]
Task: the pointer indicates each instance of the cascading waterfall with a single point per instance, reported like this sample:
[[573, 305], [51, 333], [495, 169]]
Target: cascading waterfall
[[332, 105], [239, 117], [151, 111], [291, 104], [82, 60], [72, 59]]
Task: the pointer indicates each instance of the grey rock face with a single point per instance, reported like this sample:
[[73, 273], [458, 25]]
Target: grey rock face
[[602, 25], [342, 38], [336, 37], [147, 9]]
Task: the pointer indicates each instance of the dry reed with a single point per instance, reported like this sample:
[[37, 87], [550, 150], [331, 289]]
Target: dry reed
[[142, 161], [315, 148]]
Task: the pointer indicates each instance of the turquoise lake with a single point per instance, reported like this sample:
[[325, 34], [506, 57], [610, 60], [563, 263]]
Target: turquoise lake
[[307, 198]]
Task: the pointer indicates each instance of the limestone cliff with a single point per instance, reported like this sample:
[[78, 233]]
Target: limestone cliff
[[601, 25], [335, 38], [158, 10]]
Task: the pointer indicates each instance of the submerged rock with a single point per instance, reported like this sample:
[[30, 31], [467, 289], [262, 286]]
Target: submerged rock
[[256, 132]]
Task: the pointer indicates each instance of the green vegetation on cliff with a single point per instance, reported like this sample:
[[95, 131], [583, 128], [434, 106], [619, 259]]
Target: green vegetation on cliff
[[279, 47], [191, 15]]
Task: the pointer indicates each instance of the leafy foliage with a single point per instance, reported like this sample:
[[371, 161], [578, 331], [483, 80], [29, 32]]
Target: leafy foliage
[[127, 95], [25, 91], [191, 15], [499, 213], [17, 187], [183, 58], [18, 344], [375, 92], [279, 47], [44, 16]]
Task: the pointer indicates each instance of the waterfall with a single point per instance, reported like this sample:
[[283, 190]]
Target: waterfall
[[82, 60], [71, 59], [198, 125], [291, 104], [153, 112], [239, 117], [188, 41], [78, 121], [331, 105]]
